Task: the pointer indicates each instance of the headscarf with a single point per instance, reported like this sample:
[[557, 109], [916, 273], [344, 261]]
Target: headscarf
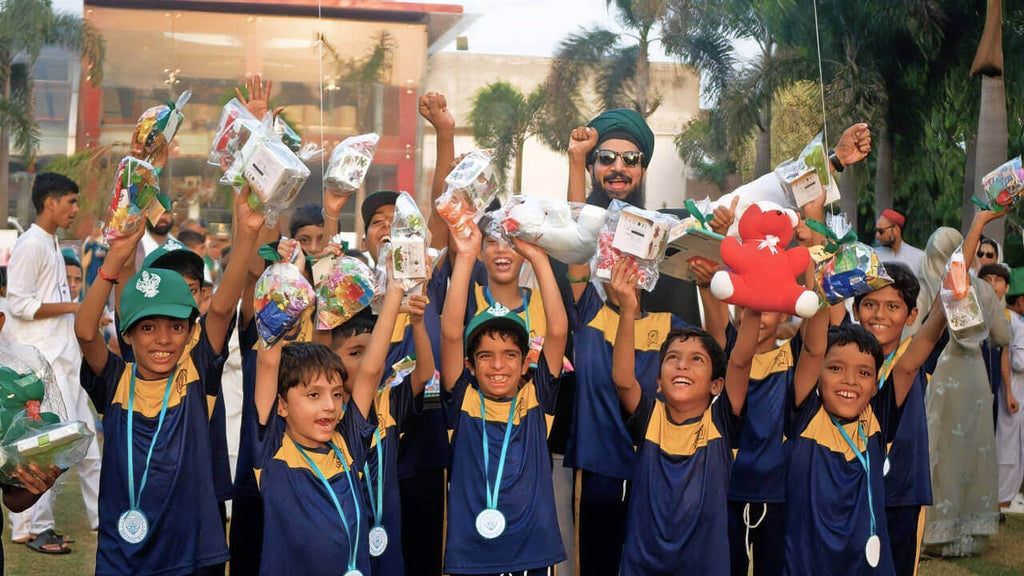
[[941, 245]]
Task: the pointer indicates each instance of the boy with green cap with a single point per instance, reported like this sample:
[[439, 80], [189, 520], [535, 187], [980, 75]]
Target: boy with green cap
[[158, 506], [1010, 424]]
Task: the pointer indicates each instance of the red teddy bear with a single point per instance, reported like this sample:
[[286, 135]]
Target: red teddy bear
[[763, 272]]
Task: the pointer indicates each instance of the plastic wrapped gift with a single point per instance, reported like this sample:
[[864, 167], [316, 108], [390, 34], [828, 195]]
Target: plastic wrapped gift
[[234, 127], [629, 231], [349, 163], [155, 129], [844, 268], [282, 294], [409, 240], [469, 189], [136, 195], [807, 177], [964, 316], [1002, 187], [349, 287], [691, 241], [567, 231], [274, 174]]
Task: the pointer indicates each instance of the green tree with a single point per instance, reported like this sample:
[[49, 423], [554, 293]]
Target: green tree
[[357, 78], [503, 118], [26, 27]]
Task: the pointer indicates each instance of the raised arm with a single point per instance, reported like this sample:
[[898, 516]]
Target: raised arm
[[581, 142], [905, 371], [716, 312], [268, 365], [434, 108], [94, 349], [812, 355], [255, 266], [557, 331], [973, 237], [424, 371], [737, 375], [625, 276], [371, 369], [225, 300], [453, 315]]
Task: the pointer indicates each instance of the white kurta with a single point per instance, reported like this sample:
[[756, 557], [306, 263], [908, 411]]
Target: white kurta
[[1010, 427]]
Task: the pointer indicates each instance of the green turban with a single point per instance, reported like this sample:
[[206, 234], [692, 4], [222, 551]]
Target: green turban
[[625, 124], [1016, 282]]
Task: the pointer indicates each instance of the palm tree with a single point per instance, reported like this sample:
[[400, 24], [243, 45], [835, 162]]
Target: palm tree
[[26, 26], [503, 119], [357, 78], [991, 146]]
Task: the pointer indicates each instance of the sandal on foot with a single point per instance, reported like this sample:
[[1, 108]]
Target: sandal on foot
[[49, 543]]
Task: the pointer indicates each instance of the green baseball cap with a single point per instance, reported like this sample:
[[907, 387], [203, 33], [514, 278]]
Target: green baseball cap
[[156, 292], [170, 252], [496, 317], [1016, 282]]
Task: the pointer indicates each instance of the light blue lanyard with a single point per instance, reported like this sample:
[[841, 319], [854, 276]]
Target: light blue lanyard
[[134, 500], [376, 506], [884, 372], [526, 304], [492, 495], [865, 461], [353, 542]]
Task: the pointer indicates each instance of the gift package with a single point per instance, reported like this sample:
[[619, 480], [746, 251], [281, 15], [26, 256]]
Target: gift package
[[567, 231], [1003, 187], [409, 240], [960, 302], [155, 129], [844, 268], [629, 231], [805, 178], [692, 240], [469, 189], [32, 416], [349, 163], [135, 196], [281, 296], [349, 287]]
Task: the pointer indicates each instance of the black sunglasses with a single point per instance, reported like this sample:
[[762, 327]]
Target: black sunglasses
[[608, 157], [986, 254]]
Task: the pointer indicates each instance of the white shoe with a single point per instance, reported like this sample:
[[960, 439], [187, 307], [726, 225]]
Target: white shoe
[[1018, 498], [1015, 507]]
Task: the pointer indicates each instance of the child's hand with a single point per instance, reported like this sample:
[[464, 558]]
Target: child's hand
[[259, 96], [333, 203], [248, 219], [417, 307], [468, 246], [625, 277], [290, 250], [531, 252], [35, 479], [722, 217], [854, 144], [702, 271], [434, 109], [986, 216], [122, 251], [1011, 404]]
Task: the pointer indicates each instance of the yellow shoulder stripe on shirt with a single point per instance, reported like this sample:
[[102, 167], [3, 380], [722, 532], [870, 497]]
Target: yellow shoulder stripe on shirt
[[533, 315], [149, 394], [328, 462], [822, 431], [401, 323], [772, 362], [649, 332], [888, 367], [498, 411], [680, 439], [382, 404]]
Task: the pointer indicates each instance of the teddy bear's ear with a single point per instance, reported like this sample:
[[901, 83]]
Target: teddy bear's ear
[[793, 218]]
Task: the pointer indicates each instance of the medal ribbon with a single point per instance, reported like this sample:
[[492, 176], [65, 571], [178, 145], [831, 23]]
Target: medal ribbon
[[134, 500], [492, 496], [865, 461], [377, 506], [353, 543]]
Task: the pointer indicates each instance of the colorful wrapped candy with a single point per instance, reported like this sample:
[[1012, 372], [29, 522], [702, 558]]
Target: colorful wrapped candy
[[805, 178], [631, 232], [282, 294], [567, 231], [1002, 187], [409, 237], [845, 268], [32, 416], [469, 189], [349, 164], [135, 195], [349, 287], [155, 129]]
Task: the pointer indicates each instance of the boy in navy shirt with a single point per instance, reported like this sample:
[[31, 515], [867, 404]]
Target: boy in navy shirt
[[501, 505], [684, 437]]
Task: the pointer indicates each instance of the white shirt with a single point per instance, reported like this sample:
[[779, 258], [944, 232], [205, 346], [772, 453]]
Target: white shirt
[[907, 254], [146, 245], [35, 276]]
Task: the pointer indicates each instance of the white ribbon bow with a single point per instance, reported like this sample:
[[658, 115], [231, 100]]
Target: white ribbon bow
[[770, 242]]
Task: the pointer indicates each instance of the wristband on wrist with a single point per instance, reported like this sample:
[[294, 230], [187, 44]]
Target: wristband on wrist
[[837, 165], [103, 275]]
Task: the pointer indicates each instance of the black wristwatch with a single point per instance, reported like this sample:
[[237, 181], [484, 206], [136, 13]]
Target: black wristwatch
[[834, 160]]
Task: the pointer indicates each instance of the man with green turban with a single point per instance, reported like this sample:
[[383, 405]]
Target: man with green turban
[[616, 148]]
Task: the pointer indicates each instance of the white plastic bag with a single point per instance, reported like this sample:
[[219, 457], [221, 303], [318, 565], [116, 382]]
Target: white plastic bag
[[566, 231], [631, 232], [469, 189], [349, 164]]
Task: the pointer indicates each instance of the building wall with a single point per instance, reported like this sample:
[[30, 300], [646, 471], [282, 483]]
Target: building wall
[[459, 75]]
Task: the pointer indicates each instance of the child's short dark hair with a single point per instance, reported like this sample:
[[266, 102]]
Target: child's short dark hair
[[191, 238], [1012, 300], [500, 332], [306, 215], [301, 362], [51, 184], [188, 267], [362, 323], [995, 270], [718, 359], [856, 334], [903, 280]]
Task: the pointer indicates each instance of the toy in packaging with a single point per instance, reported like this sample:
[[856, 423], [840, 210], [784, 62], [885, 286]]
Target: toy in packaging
[[567, 231], [32, 420], [282, 294], [469, 189], [844, 268], [136, 195], [409, 238], [960, 302], [235, 126], [629, 231], [692, 240], [349, 287], [349, 163], [1002, 187], [155, 129], [807, 177], [275, 175]]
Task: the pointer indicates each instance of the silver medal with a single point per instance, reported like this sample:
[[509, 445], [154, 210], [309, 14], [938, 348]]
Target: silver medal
[[353, 573], [378, 541], [872, 550], [490, 523], [132, 526], [885, 467]]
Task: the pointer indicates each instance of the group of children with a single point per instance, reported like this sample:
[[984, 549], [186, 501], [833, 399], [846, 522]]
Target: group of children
[[696, 450]]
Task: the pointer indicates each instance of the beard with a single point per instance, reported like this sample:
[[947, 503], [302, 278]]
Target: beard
[[161, 228], [599, 196]]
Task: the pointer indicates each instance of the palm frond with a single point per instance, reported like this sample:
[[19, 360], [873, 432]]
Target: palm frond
[[80, 36], [615, 80], [709, 51], [16, 118]]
